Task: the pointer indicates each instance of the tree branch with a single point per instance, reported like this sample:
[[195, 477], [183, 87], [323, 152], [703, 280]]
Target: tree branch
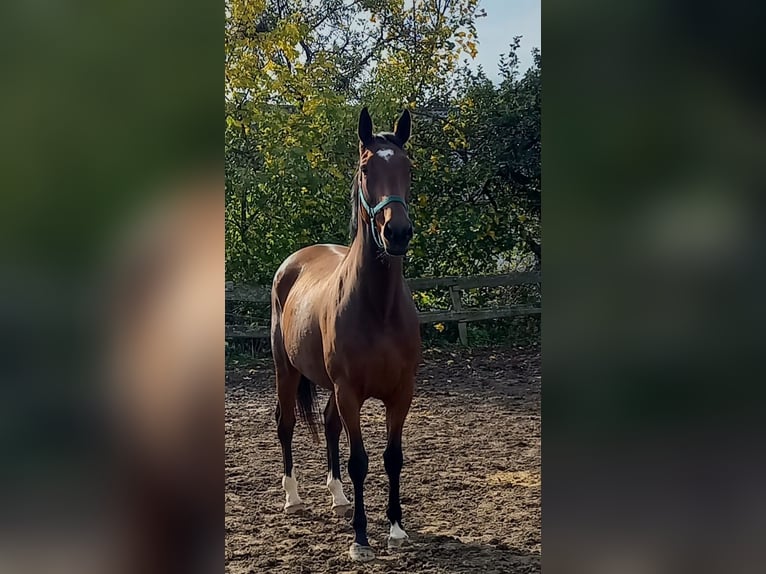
[[306, 50], [428, 114]]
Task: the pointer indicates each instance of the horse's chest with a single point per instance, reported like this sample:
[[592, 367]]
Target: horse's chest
[[376, 356]]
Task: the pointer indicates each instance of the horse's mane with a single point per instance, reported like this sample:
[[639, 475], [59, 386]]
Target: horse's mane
[[380, 138]]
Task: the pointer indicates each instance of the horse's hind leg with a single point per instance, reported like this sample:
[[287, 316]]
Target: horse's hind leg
[[287, 388], [396, 413], [332, 428]]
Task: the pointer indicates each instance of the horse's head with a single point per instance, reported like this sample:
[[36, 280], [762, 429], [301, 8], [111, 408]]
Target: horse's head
[[384, 183]]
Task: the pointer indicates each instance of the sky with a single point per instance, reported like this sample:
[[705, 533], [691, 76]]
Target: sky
[[506, 19]]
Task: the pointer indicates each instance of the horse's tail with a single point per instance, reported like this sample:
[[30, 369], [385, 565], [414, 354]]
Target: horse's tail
[[307, 395]]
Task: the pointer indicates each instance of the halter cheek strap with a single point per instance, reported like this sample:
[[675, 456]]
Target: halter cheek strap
[[373, 211]]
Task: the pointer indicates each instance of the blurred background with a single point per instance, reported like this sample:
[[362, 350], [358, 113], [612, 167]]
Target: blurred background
[[654, 140], [111, 224]]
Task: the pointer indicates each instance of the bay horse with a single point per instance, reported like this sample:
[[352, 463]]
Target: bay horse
[[343, 318]]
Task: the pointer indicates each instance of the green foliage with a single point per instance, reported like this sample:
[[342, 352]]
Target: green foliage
[[297, 72]]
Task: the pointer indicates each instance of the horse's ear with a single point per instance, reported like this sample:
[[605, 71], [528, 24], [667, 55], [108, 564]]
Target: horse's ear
[[365, 127], [403, 127]]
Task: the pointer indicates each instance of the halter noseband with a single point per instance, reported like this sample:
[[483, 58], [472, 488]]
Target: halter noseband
[[373, 211]]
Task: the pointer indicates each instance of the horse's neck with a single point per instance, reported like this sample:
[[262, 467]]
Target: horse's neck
[[377, 279]]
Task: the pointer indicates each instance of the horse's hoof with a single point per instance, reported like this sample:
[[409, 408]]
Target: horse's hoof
[[293, 508], [343, 510], [361, 553], [397, 543]]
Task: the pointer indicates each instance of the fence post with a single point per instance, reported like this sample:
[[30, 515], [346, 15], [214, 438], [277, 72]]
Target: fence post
[[457, 306]]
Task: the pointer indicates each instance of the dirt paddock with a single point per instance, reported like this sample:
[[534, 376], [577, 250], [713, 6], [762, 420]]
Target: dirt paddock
[[470, 482]]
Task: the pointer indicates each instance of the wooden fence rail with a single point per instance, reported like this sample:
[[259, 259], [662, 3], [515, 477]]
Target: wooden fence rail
[[455, 286]]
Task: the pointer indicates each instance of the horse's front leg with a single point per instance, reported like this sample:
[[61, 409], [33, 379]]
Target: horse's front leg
[[349, 407], [396, 412]]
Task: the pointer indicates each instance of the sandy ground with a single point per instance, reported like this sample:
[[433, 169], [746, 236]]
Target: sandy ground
[[470, 483]]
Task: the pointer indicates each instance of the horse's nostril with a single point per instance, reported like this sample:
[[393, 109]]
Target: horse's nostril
[[397, 234]]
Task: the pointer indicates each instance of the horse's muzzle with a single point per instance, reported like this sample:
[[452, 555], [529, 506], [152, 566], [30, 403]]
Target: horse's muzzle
[[396, 237]]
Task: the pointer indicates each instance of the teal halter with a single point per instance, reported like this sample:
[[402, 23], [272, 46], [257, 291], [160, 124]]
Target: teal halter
[[373, 211]]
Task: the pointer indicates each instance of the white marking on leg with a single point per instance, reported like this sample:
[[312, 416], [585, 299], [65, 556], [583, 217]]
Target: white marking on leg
[[397, 537], [396, 532], [385, 153], [292, 499], [335, 487]]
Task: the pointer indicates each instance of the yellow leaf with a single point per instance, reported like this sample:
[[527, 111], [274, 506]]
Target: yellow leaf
[[439, 327]]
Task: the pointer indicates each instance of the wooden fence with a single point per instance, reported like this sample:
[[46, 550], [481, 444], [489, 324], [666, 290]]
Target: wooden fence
[[454, 285]]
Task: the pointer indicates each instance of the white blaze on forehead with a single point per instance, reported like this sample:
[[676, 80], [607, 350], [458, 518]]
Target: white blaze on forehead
[[385, 153]]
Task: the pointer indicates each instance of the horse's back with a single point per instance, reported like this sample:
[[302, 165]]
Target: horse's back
[[312, 264], [302, 284]]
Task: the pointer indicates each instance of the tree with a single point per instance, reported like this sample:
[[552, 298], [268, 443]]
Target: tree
[[478, 175]]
